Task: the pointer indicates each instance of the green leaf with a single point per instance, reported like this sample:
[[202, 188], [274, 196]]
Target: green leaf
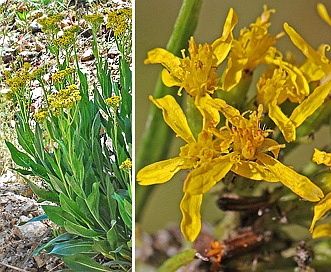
[[81, 263], [57, 215], [25, 137], [35, 219], [72, 247], [112, 235], [57, 184], [71, 207], [80, 230], [183, 258], [59, 239], [43, 193], [125, 209], [20, 158]]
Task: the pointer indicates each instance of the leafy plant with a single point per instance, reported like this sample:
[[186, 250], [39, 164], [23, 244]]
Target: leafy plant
[[79, 143]]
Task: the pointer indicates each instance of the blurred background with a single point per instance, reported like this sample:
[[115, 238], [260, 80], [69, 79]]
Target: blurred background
[[154, 25]]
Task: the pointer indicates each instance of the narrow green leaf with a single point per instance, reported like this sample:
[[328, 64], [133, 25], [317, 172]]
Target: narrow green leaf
[[59, 239], [20, 158], [57, 215], [72, 247], [71, 207], [81, 263], [80, 230], [183, 258], [43, 193]]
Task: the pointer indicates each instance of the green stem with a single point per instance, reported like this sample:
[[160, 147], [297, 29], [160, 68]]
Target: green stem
[[158, 135]]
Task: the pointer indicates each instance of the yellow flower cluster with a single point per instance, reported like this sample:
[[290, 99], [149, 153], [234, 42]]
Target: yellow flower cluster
[[95, 19], [126, 165], [119, 20], [36, 73], [113, 101], [240, 144], [65, 41], [50, 23], [58, 76], [65, 98], [20, 78], [41, 115]]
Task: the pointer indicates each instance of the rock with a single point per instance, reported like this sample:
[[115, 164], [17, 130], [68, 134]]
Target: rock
[[35, 27], [32, 229], [87, 55]]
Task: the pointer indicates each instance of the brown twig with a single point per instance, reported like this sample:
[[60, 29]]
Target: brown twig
[[13, 267]]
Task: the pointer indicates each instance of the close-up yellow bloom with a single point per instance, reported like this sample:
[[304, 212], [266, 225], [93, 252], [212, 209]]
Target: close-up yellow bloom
[[249, 50], [196, 74], [241, 146]]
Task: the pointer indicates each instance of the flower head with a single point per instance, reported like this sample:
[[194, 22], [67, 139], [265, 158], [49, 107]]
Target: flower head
[[59, 76], [113, 101], [119, 20], [65, 98], [196, 73], [66, 40], [126, 165], [95, 20], [41, 115], [249, 50], [241, 146], [50, 23]]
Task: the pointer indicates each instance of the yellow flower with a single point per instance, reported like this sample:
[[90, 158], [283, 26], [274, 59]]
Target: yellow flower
[[58, 76], [50, 23], [284, 82], [65, 98], [126, 165], [240, 147], [41, 115], [113, 101], [321, 157], [322, 207], [196, 73], [316, 68], [119, 20], [250, 50], [66, 40], [95, 20]]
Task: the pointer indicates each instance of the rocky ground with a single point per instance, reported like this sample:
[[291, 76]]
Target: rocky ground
[[17, 243]]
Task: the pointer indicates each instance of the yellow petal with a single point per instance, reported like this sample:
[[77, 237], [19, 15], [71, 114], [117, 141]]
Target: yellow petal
[[299, 184], [272, 146], [305, 48], [169, 80], [191, 222], [167, 59], [228, 111], [201, 179], [159, 172], [310, 104], [323, 13], [322, 231], [210, 114], [253, 170], [233, 73], [284, 124], [222, 46], [174, 116], [320, 209], [321, 157]]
